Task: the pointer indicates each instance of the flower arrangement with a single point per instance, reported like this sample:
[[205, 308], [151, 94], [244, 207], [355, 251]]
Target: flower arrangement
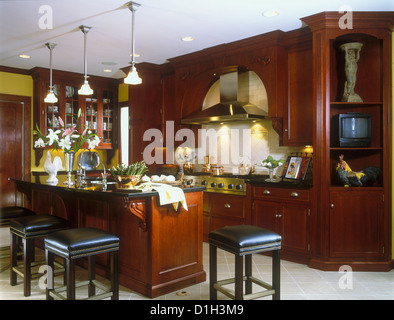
[[67, 139], [270, 163]]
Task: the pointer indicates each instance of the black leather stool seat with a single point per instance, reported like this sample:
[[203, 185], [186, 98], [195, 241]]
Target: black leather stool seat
[[28, 228], [77, 243], [37, 226], [81, 242], [8, 213], [245, 239]]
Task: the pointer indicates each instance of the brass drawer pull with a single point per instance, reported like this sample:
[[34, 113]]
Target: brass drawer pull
[[266, 191], [227, 205], [294, 194]]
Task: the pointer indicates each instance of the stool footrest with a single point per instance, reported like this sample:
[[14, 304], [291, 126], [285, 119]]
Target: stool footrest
[[231, 293], [18, 269], [55, 293]]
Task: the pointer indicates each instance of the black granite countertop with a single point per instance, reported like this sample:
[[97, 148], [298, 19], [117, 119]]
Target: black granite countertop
[[97, 190]]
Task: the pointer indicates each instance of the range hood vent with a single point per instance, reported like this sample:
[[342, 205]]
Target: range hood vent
[[229, 108]]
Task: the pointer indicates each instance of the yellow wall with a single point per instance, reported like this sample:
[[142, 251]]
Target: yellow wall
[[123, 92]]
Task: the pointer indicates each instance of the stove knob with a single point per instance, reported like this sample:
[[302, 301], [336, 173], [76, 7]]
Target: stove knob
[[231, 186], [189, 182], [238, 186], [221, 185], [213, 184], [204, 183]]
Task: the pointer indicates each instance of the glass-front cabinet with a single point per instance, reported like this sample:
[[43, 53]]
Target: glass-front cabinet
[[98, 111]]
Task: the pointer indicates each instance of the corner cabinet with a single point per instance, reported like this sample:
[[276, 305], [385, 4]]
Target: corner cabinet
[[351, 225], [99, 111]]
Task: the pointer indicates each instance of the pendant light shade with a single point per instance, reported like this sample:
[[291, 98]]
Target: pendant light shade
[[85, 89], [50, 98], [133, 78]]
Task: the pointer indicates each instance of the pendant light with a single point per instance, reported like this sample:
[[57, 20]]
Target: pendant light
[[50, 98], [133, 77], [85, 89]]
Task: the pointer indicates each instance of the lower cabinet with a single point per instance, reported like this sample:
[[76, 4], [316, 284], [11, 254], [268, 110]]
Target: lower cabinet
[[291, 221], [286, 212], [356, 224], [222, 210]]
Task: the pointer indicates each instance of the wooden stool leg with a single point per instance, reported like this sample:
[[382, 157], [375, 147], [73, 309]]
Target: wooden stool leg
[[92, 276], [49, 259], [238, 277], [114, 275], [14, 262], [28, 246], [70, 274], [276, 274], [248, 273], [213, 294]]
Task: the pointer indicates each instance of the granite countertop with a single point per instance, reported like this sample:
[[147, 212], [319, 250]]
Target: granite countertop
[[98, 190]]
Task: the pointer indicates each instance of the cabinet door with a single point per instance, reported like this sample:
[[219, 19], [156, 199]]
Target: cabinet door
[[356, 224], [267, 214], [295, 228]]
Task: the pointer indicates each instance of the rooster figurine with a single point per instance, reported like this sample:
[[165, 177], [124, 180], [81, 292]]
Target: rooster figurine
[[52, 168]]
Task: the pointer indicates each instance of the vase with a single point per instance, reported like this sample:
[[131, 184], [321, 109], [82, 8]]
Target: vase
[[271, 176], [68, 166]]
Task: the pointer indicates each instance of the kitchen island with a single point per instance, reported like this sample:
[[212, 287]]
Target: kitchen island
[[160, 247]]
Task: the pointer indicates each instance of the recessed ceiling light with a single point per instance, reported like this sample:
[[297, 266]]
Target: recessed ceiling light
[[270, 13], [109, 63], [107, 70], [187, 39], [24, 56]]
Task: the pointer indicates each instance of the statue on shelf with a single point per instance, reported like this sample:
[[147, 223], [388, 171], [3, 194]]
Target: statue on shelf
[[352, 55], [351, 178]]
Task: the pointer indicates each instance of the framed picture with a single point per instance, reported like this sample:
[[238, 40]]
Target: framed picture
[[296, 168]]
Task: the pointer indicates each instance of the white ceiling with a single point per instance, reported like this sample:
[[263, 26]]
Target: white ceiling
[[160, 24]]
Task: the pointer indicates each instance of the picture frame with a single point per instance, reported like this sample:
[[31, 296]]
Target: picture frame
[[296, 168]]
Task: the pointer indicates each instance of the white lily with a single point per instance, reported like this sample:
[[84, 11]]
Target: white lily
[[94, 142], [53, 136], [39, 143], [65, 143]]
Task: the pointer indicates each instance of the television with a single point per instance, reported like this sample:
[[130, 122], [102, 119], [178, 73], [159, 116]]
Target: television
[[352, 129]]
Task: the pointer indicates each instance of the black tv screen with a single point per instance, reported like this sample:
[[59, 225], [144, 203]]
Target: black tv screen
[[352, 130]]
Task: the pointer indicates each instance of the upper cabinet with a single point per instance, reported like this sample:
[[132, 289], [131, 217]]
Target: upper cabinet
[[98, 111]]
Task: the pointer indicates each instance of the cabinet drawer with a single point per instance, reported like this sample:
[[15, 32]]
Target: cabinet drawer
[[225, 205], [281, 193]]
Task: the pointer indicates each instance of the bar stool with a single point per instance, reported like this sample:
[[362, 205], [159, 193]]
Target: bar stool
[[244, 240], [6, 214], [77, 243], [29, 228]]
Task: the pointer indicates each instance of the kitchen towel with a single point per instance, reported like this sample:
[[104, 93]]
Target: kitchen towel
[[170, 195]]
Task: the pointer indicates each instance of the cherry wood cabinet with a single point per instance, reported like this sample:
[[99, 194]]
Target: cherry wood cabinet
[[285, 211], [351, 225], [357, 223], [98, 112], [222, 210]]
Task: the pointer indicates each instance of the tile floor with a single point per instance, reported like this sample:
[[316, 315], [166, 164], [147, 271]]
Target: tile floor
[[298, 282]]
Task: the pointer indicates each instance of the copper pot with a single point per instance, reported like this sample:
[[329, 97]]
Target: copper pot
[[216, 170]]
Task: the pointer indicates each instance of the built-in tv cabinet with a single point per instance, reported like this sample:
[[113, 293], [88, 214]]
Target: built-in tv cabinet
[[351, 225]]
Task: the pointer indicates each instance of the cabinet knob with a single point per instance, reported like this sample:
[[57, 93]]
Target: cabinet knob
[[332, 205], [294, 194], [227, 205], [266, 191], [278, 216]]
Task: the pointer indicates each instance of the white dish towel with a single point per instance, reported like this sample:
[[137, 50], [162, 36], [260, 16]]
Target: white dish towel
[[170, 195]]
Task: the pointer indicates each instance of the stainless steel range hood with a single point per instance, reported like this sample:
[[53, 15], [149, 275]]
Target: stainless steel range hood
[[229, 108]]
